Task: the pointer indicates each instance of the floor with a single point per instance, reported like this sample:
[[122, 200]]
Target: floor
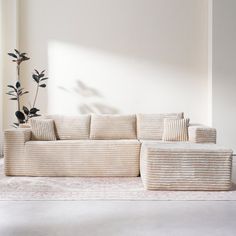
[[117, 218], [108, 218]]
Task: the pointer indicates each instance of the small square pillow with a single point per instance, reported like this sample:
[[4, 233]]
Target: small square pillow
[[175, 130], [43, 129]]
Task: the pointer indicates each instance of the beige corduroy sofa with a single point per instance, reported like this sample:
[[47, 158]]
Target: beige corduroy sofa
[[92, 145]]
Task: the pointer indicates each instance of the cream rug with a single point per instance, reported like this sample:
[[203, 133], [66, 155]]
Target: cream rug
[[74, 188]]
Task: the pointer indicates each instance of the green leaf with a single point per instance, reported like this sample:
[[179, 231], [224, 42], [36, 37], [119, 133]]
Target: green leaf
[[17, 84], [43, 85], [44, 78], [36, 71], [12, 55], [26, 110], [35, 115], [24, 93], [11, 94], [17, 51], [20, 116], [13, 98], [19, 90], [41, 75], [36, 78], [23, 54], [24, 58], [34, 110], [11, 86]]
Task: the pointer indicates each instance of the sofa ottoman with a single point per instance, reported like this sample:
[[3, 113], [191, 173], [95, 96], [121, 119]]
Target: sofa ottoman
[[185, 166]]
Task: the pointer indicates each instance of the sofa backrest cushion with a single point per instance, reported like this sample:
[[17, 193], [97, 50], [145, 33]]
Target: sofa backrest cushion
[[113, 127], [151, 126], [71, 127]]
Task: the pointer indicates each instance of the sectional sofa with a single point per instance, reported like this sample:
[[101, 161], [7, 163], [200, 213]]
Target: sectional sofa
[[122, 145]]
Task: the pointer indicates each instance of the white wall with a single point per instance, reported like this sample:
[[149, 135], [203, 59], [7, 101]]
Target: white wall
[[9, 39], [224, 71], [126, 56], [121, 56]]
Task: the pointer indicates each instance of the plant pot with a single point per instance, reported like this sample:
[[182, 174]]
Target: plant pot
[[24, 126]]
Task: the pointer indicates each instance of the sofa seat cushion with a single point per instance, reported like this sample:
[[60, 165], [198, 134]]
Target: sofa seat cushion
[[71, 127], [151, 126], [83, 158], [113, 127]]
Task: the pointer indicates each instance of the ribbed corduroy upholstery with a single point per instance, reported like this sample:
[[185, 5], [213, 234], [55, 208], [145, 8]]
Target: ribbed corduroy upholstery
[[175, 130], [14, 150], [43, 129], [185, 166], [201, 134], [71, 127], [80, 158], [114, 157], [113, 127], [150, 126]]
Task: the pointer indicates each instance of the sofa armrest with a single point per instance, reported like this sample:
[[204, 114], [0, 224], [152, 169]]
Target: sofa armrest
[[14, 147], [201, 134]]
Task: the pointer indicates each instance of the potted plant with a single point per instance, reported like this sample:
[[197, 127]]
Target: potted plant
[[24, 113]]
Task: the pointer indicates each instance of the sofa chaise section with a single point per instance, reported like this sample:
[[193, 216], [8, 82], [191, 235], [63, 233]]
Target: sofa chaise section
[[185, 166]]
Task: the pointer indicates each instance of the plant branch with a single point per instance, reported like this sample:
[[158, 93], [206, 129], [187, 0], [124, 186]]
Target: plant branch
[[18, 79], [36, 95]]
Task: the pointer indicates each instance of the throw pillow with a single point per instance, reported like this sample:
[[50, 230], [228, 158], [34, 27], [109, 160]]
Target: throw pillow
[[42, 129], [175, 130]]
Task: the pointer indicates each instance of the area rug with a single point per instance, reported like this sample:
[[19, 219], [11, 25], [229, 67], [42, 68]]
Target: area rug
[[87, 188]]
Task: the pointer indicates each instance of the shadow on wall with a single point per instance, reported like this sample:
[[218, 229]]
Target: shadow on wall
[[90, 99]]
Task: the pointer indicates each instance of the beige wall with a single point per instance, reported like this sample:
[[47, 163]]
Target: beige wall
[[130, 56], [224, 71], [9, 39], [121, 56]]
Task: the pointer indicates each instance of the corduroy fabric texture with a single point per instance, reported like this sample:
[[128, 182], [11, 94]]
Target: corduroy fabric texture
[[185, 166], [14, 150], [113, 127], [71, 127], [43, 129], [150, 126], [202, 134], [77, 158], [175, 130]]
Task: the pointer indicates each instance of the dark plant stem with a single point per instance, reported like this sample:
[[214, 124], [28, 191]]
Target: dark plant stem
[[36, 95], [18, 79], [27, 118], [18, 72]]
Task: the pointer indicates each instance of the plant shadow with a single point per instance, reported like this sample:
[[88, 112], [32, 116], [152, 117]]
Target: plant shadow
[[92, 101]]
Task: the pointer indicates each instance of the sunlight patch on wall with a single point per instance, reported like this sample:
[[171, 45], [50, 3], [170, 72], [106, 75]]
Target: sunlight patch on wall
[[87, 80]]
